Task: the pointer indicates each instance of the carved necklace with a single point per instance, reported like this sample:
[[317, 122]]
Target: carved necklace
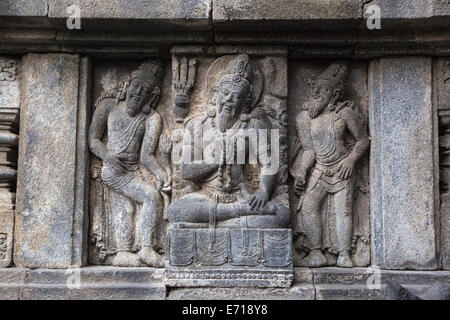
[[224, 172]]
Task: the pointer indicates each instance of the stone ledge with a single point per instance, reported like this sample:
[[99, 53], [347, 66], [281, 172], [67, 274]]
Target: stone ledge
[[286, 15], [95, 283], [254, 15], [147, 283], [296, 292], [311, 28], [24, 14], [163, 15]]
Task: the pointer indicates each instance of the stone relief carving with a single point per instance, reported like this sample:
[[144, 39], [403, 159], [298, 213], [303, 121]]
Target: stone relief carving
[[9, 128], [236, 216], [124, 134], [441, 7], [184, 71], [154, 197], [443, 85], [8, 70], [332, 139]]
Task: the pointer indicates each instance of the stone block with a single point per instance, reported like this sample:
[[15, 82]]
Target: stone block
[[24, 14], [95, 283], [241, 258], [408, 14], [52, 159], [370, 283], [296, 292], [162, 15], [403, 166], [12, 280], [398, 9], [285, 14]]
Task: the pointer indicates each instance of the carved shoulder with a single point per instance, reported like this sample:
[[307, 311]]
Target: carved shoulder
[[348, 110], [154, 123], [104, 106]]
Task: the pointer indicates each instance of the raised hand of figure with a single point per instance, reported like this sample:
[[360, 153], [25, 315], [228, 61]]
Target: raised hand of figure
[[299, 184], [257, 201], [346, 168], [184, 71]]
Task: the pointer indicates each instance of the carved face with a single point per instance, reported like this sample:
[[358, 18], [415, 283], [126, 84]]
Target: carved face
[[230, 101], [138, 94], [321, 96]]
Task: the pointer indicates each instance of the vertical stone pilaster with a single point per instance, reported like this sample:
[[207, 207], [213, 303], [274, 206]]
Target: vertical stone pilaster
[[403, 180], [9, 122], [51, 185], [442, 98]]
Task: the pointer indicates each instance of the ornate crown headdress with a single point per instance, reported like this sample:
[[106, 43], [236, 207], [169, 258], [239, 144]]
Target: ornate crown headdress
[[336, 73], [239, 72], [150, 71]]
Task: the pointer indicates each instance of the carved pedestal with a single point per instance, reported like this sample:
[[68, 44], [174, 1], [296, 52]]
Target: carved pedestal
[[229, 258]]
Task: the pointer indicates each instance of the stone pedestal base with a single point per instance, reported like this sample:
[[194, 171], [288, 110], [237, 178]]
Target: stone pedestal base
[[229, 258], [228, 277]]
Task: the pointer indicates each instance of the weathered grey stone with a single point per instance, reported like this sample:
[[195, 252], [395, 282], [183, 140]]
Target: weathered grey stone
[[441, 7], [24, 14], [441, 87], [11, 282], [161, 15], [347, 284], [407, 15], [147, 283], [285, 14], [9, 139], [402, 178], [418, 9], [370, 283], [303, 275], [296, 292], [391, 9], [52, 153], [95, 283]]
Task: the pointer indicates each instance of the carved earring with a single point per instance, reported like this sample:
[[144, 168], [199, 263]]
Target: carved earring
[[155, 96], [334, 99], [122, 92]]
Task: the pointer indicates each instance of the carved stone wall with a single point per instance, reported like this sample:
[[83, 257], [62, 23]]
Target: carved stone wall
[[301, 73], [9, 123], [114, 116], [442, 84]]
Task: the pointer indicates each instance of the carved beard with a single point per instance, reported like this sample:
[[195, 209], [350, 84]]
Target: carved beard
[[225, 120], [316, 106], [133, 108]]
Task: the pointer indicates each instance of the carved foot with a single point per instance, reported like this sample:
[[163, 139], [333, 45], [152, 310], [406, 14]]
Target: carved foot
[[151, 258], [126, 259], [344, 260], [315, 259]]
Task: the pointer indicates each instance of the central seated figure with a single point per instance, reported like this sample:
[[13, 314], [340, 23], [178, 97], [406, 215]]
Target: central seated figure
[[223, 137]]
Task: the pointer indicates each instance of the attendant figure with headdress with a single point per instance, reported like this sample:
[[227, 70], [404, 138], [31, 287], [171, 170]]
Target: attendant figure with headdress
[[327, 167], [132, 127]]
